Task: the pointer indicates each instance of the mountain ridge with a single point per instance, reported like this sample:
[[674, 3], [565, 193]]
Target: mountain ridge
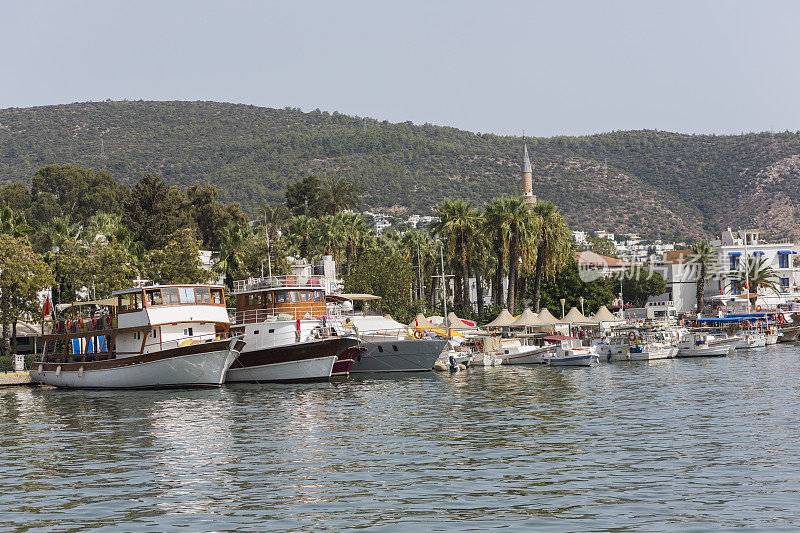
[[655, 183]]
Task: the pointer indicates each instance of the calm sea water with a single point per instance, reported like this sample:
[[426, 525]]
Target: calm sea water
[[669, 445]]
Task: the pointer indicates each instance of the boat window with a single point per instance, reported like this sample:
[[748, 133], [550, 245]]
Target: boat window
[[130, 302], [281, 297], [186, 294], [318, 296], [306, 296], [153, 297], [268, 298], [216, 296], [294, 296], [170, 295], [202, 295]]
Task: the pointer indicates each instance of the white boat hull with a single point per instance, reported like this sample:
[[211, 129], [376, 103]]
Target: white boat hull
[[318, 369], [485, 359], [575, 360], [753, 342], [533, 356], [706, 351], [772, 338], [205, 369]]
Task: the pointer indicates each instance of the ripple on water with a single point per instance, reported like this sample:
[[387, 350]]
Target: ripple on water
[[678, 444]]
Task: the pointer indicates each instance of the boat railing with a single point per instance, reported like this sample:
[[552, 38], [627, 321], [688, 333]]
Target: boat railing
[[252, 284], [250, 316]]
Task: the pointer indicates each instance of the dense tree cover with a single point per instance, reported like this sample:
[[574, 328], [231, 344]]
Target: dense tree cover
[[387, 276], [650, 182], [639, 284], [155, 231], [567, 284], [22, 274]]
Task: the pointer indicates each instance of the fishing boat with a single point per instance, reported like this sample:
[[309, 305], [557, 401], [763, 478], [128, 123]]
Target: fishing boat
[[750, 338], [149, 337], [634, 345], [704, 344], [526, 355], [570, 352], [288, 335]]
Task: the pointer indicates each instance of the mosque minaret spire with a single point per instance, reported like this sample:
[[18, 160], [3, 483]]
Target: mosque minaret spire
[[527, 176]]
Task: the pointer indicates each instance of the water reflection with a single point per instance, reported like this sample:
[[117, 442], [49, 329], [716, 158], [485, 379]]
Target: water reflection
[[697, 444]]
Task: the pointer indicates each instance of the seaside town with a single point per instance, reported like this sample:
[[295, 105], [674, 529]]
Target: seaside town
[[411, 266], [554, 296]]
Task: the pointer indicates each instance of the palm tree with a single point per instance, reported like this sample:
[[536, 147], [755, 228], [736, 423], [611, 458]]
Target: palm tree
[[337, 194], [300, 229], [108, 226], [275, 218], [496, 216], [553, 245], [458, 226], [760, 275], [523, 229], [229, 256], [327, 236], [13, 223], [353, 228], [703, 256]]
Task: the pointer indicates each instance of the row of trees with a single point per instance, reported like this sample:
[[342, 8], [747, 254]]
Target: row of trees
[[93, 235]]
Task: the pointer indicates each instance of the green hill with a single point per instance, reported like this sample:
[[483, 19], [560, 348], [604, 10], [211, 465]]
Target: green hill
[[655, 183]]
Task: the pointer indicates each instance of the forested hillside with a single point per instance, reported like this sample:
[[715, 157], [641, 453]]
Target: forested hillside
[[656, 183]]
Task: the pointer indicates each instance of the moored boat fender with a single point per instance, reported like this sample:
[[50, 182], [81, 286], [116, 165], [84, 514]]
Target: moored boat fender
[[417, 334], [108, 320], [453, 364]]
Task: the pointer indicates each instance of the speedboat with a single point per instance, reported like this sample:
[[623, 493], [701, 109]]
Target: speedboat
[[702, 344], [154, 337], [570, 352]]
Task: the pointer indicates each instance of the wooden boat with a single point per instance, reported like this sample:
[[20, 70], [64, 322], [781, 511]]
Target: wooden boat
[[287, 332], [153, 337]]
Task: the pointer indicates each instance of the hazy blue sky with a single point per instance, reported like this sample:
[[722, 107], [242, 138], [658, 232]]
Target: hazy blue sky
[[549, 68]]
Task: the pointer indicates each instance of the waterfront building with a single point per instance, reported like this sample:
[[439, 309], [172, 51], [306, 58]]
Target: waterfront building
[[733, 249]]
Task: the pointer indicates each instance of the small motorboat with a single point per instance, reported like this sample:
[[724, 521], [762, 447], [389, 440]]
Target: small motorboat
[[634, 345], [702, 344], [525, 355], [570, 352]]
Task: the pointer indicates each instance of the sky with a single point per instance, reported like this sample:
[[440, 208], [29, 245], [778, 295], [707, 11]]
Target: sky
[[543, 67]]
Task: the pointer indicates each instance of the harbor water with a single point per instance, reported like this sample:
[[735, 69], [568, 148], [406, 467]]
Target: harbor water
[[697, 444]]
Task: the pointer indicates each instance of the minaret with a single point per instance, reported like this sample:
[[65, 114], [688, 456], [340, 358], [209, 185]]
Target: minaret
[[527, 178]]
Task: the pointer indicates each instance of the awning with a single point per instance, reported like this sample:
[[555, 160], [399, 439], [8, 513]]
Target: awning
[[734, 254], [758, 253], [785, 252], [361, 297]]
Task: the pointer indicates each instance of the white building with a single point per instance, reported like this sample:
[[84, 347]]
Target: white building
[[380, 223], [735, 249], [579, 237]]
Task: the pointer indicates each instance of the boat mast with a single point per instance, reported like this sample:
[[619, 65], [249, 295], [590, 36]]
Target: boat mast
[[746, 270], [444, 290]]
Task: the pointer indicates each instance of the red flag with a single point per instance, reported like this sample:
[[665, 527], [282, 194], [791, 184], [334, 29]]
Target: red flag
[[47, 308]]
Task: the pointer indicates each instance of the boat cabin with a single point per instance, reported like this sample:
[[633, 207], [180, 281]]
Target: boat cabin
[[295, 297]]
